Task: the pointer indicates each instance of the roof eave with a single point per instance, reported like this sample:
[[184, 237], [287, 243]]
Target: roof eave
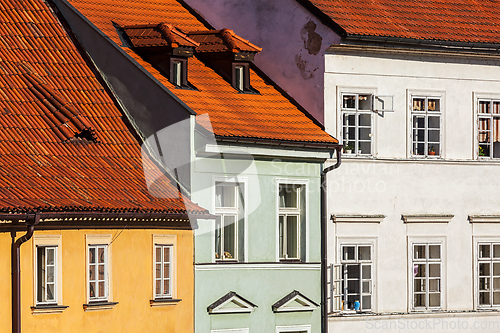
[[329, 146]]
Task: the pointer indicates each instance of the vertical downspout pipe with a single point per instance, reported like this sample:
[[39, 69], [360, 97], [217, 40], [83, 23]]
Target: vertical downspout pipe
[[324, 240], [16, 271]]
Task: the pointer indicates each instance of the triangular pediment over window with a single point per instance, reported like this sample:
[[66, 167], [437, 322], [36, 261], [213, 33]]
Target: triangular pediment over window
[[231, 303], [293, 302]]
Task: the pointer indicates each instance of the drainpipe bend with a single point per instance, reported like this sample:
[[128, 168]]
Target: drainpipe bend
[[324, 235], [32, 220]]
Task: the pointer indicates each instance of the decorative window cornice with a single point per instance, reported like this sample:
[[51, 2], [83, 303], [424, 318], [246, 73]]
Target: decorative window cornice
[[484, 218], [426, 218], [357, 218]]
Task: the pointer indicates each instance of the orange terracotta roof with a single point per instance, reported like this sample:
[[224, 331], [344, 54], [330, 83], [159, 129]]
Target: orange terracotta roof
[[470, 21], [268, 115], [224, 40], [163, 34], [63, 143]]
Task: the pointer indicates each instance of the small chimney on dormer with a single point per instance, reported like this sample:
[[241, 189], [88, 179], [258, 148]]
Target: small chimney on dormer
[[165, 47], [228, 54]]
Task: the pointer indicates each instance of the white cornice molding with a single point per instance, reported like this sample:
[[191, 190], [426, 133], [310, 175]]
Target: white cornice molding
[[358, 218], [484, 218], [423, 218]]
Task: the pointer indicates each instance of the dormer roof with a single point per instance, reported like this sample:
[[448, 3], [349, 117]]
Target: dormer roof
[[223, 40], [154, 35]]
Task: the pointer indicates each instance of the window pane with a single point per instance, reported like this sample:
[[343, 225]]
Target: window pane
[[92, 255], [50, 256], [166, 286], [418, 104], [419, 300], [349, 101], [434, 251], [365, 148], [419, 251], [484, 283], [92, 289], [225, 195], [50, 292], [166, 271], [282, 236], [348, 252], [101, 272], [101, 289], [158, 271], [419, 285], [364, 253], [166, 254], [496, 250], [239, 77], [434, 285], [484, 269], [434, 300], [484, 298], [496, 283], [366, 271], [158, 287], [41, 273], [367, 303], [365, 119], [433, 137], [50, 273], [292, 233], [419, 270], [496, 298], [434, 270], [353, 271], [91, 272], [496, 107], [229, 237], [366, 287], [158, 254], [289, 196], [433, 104], [364, 134], [484, 107], [218, 235], [484, 251], [100, 254], [364, 102], [496, 269]]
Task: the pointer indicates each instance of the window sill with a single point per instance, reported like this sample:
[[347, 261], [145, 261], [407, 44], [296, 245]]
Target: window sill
[[291, 261], [97, 306], [164, 301], [227, 261], [48, 309]]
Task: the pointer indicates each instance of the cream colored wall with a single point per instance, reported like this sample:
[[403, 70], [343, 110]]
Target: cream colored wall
[[132, 285]]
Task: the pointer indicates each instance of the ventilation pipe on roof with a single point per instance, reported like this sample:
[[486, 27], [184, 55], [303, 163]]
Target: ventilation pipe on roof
[[324, 235], [16, 270]]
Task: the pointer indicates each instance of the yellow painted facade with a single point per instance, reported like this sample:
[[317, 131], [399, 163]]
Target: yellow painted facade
[[131, 283]]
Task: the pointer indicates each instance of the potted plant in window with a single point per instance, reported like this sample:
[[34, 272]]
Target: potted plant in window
[[348, 148], [481, 151], [432, 150]]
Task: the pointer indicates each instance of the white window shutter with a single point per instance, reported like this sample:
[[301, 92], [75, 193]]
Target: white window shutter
[[334, 290]]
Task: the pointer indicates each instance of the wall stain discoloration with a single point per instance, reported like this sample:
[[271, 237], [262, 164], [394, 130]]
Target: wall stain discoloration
[[313, 41], [301, 65]]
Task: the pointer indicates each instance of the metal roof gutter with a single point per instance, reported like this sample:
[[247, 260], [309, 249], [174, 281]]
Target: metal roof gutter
[[279, 143]]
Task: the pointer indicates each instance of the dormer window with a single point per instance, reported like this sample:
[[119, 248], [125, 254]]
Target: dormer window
[[241, 77], [164, 47], [178, 72]]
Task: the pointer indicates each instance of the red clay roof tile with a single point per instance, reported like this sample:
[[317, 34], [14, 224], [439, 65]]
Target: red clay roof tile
[[268, 115], [48, 96], [470, 21]]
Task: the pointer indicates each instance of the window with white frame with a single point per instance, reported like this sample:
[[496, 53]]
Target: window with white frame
[[98, 284], [426, 277], [357, 119], [488, 260], [46, 275], [291, 221], [355, 277], [426, 126], [163, 271], [229, 224], [488, 128]]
